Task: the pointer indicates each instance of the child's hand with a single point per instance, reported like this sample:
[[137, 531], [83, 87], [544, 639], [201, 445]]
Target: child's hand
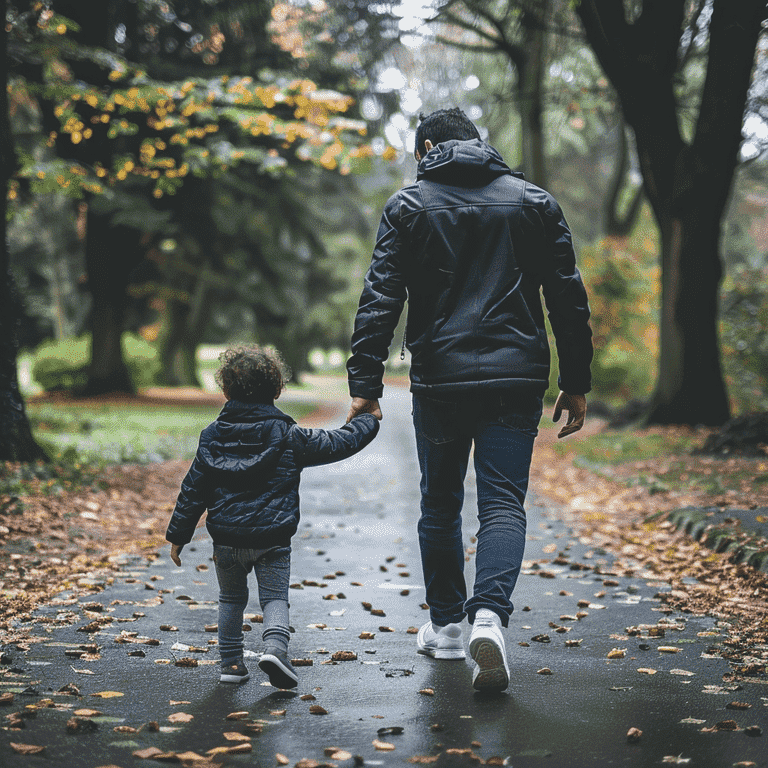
[[175, 552]]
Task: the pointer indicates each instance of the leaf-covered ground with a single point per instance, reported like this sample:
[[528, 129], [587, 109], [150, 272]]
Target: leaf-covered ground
[[72, 539]]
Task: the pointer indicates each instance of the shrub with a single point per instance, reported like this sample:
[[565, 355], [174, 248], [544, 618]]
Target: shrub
[[63, 365]]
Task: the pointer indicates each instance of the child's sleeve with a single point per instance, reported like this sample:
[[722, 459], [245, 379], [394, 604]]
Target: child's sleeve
[[189, 508], [324, 446]]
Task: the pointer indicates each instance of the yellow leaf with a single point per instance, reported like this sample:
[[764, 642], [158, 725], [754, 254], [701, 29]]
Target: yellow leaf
[[108, 694], [180, 717], [235, 736], [383, 746]]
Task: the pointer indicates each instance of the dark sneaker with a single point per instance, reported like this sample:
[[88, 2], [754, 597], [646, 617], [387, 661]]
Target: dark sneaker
[[234, 673], [277, 665]]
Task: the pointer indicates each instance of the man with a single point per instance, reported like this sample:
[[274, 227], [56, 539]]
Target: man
[[470, 245]]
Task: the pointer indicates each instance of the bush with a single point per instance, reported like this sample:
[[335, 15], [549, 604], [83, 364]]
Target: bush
[[63, 365]]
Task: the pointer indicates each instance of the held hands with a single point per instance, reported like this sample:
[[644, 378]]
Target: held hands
[[576, 405], [175, 552], [361, 405]]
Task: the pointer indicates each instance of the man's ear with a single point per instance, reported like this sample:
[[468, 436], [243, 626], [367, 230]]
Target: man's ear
[[428, 145]]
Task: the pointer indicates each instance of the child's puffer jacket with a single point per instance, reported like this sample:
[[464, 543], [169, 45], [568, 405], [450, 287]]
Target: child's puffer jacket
[[246, 474]]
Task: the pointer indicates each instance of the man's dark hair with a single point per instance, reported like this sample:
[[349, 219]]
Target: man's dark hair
[[444, 125], [251, 374]]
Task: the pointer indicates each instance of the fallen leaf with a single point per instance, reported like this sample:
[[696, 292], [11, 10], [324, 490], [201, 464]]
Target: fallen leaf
[[427, 691], [633, 735], [692, 721], [235, 736], [340, 754], [186, 757], [681, 672], [148, 753], [6, 699], [423, 759], [574, 643], [544, 671], [186, 662], [390, 730], [344, 656], [617, 653], [278, 712], [180, 717], [108, 694], [668, 649], [727, 725], [302, 662], [26, 749], [168, 628], [646, 671], [281, 759], [87, 712], [316, 709], [753, 730], [383, 746], [125, 729], [366, 635], [242, 715], [308, 697], [676, 759], [386, 629], [738, 705], [377, 612]]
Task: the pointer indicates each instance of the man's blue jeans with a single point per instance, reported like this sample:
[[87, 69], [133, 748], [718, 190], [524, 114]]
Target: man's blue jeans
[[503, 428]]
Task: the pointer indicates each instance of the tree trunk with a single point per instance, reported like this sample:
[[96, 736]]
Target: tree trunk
[[111, 253], [687, 184], [16, 441], [690, 388], [530, 92]]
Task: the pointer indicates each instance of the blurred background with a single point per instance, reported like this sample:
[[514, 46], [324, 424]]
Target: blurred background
[[195, 173]]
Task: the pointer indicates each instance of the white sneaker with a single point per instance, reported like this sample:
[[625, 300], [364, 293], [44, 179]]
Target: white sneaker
[[486, 647], [441, 642]]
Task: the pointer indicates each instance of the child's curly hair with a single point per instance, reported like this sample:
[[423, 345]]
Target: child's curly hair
[[251, 374]]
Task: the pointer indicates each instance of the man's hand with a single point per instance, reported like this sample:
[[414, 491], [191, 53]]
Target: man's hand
[[175, 552], [361, 405], [576, 405]]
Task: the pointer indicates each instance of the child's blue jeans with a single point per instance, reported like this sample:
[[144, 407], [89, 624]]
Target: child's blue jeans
[[272, 568]]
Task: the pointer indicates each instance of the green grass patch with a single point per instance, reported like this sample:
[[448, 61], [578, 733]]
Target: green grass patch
[[116, 434], [618, 447]]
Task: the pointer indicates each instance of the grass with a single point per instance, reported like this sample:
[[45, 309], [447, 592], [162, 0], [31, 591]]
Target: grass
[[618, 447], [114, 434]]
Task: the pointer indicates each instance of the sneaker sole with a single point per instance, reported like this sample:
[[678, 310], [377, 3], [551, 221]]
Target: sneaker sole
[[234, 678], [443, 653], [278, 675], [492, 673]]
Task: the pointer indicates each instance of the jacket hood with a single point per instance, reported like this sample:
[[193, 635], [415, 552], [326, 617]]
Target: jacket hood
[[463, 163], [245, 437]]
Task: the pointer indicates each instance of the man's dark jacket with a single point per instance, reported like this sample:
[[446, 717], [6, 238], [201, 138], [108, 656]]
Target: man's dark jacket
[[470, 245], [246, 474]]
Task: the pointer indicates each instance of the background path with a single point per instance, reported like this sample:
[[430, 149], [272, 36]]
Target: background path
[[356, 566]]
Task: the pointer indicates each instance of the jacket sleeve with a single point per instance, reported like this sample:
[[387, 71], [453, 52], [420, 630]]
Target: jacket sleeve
[[189, 508], [381, 304], [566, 300], [324, 446]]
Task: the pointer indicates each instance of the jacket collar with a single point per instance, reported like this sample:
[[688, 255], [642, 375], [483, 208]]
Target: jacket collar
[[237, 412], [463, 163]]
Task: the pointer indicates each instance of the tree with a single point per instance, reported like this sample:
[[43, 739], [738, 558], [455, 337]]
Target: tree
[[646, 51], [16, 441]]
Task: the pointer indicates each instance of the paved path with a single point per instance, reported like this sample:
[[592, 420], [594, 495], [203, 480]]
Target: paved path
[[357, 545]]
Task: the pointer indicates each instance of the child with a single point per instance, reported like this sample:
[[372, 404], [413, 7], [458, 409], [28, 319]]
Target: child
[[246, 474]]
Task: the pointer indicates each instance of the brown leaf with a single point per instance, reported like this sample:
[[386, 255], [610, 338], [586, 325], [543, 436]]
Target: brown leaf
[[367, 635], [189, 757], [633, 735], [235, 736], [427, 691], [377, 612], [6, 699], [281, 759], [302, 662], [242, 715], [738, 705], [544, 671], [308, 697], [646, 671], [727, 725], [125, 729], [180, 717], [668, 649], [148, 753], [617, 653], [186, 662], [423, 759], [386, 629], [344, 656], [87, 712], [383, 746], [316, 709], [412, 630], [26, 749], [278, 712], [340, 754], [108, 694]]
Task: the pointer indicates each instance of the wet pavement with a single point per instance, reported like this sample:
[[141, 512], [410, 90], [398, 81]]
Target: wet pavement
[[358, 588]]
